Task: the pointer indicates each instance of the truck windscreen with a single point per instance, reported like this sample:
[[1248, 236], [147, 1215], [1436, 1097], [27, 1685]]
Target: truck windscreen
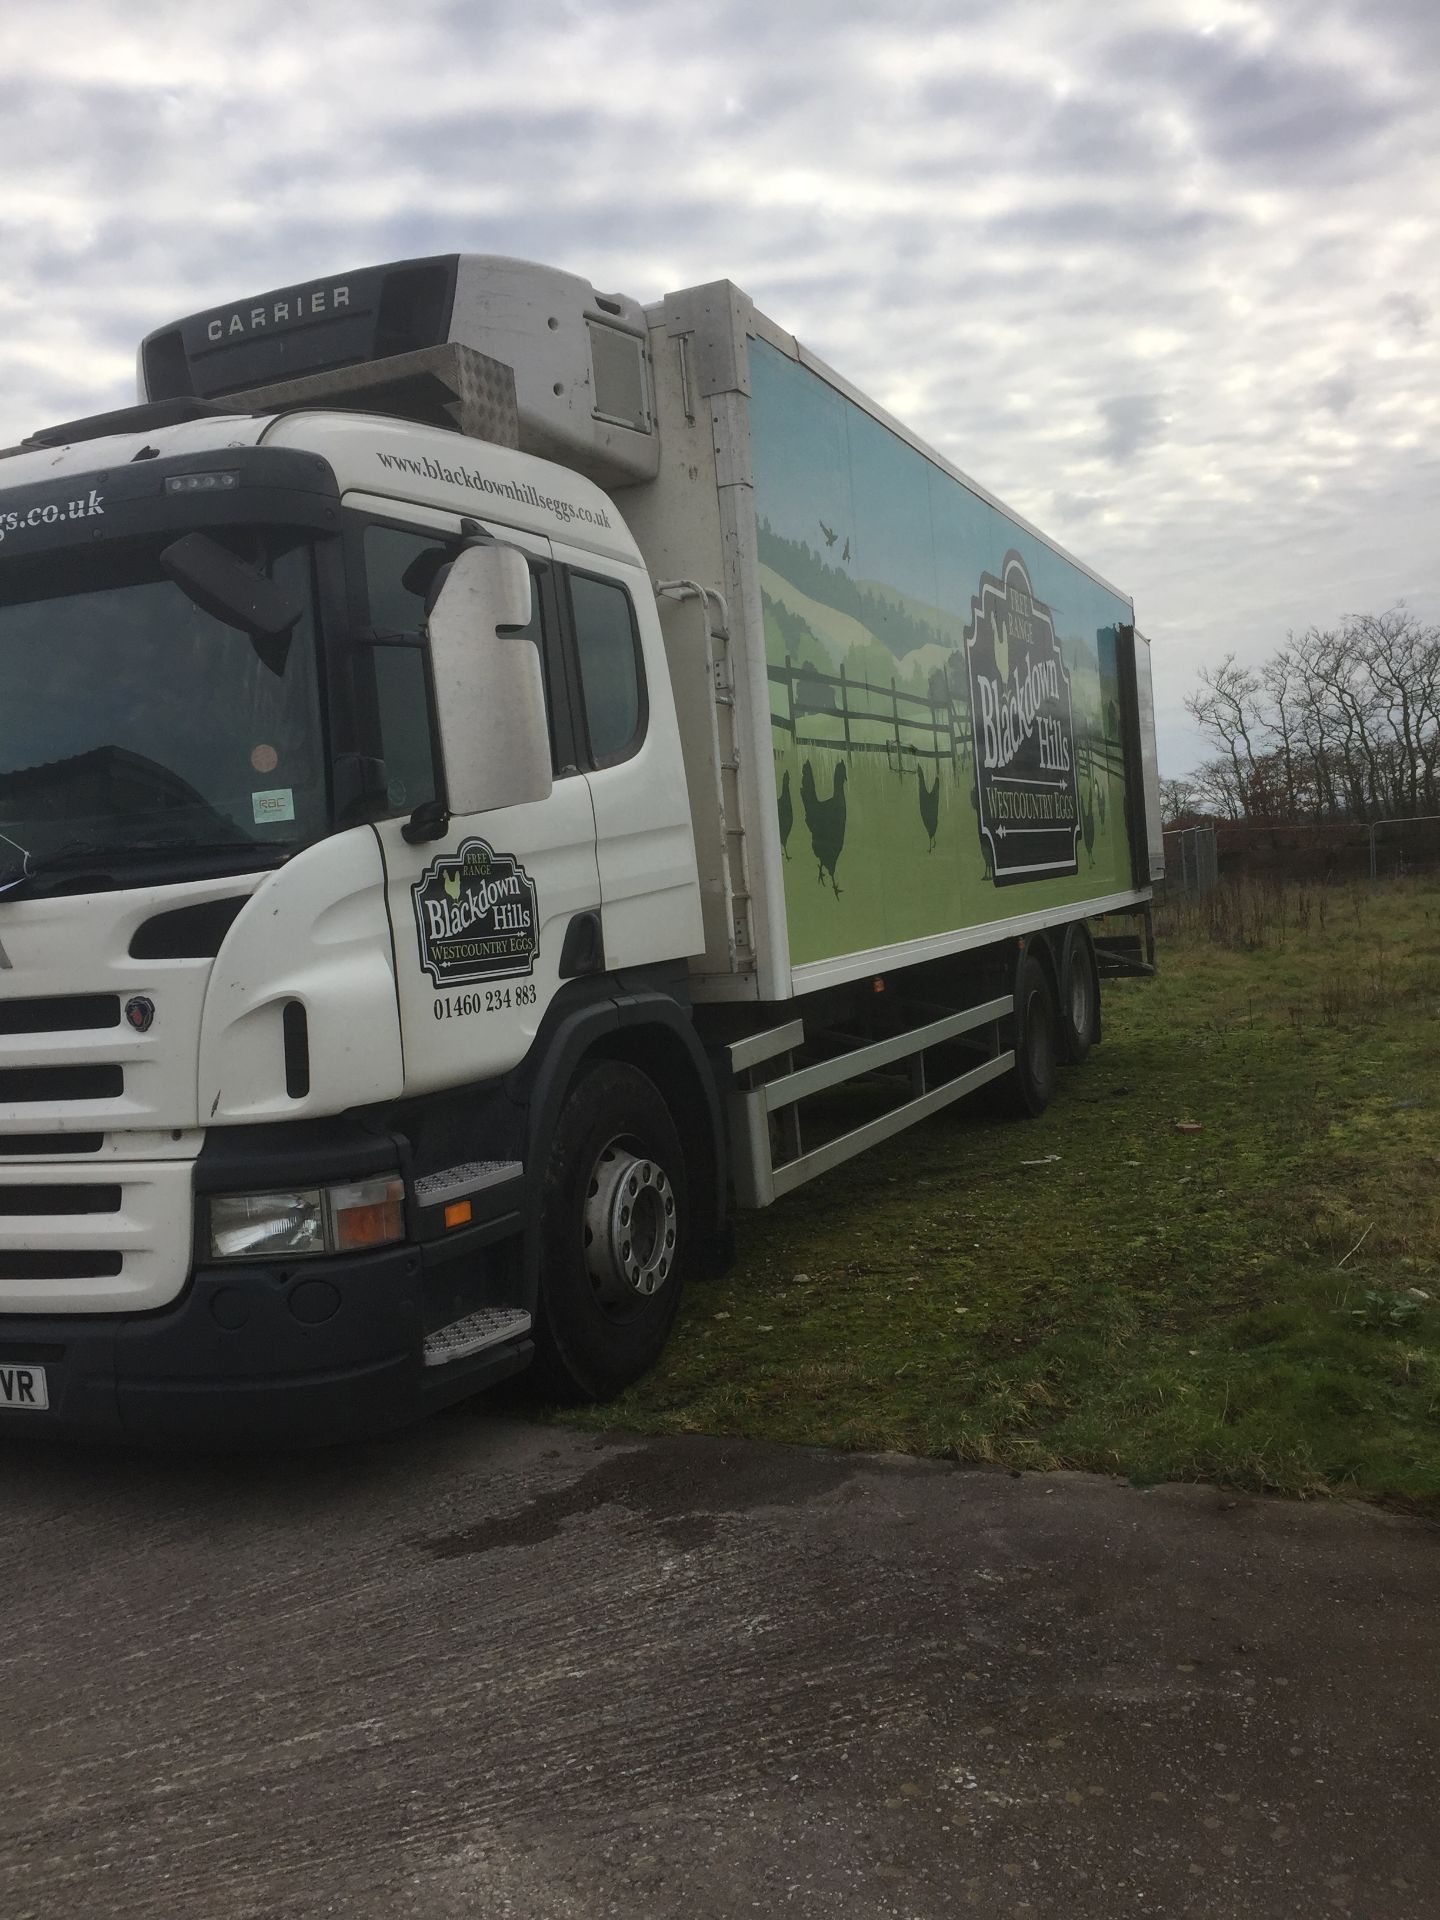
[[138, 730]]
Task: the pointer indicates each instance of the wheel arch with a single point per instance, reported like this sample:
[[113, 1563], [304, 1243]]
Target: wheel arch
[[1042, 945], [653, 1032]]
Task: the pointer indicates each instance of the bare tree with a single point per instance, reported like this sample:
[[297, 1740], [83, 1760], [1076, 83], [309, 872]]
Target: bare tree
[[1336, 724], [1224, 706], [1218, 790], [1177, 798]]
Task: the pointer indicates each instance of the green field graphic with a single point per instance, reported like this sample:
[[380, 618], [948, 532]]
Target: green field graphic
[[872, 560]]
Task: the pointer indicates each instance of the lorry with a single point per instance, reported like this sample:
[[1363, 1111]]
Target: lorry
[[493, 778]]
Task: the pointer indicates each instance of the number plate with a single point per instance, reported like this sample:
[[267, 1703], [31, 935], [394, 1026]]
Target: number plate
[[23, 1390]]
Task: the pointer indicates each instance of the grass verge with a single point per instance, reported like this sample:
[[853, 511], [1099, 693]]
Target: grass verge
[[1256, 1303]]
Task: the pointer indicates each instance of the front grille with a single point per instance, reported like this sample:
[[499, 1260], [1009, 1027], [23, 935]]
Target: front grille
[[20, 1086], [32, 1145], [59, 1200], [106, 1236], [59, 1263], [60, 1013]]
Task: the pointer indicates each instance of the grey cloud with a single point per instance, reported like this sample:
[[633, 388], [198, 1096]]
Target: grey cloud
[[1410, 27], [1133, 421], [493, 143], [1112, 223], [1098, 134], [1405, 311], [1263, 109], [1077, 506], [985, 104], [1337, 394]]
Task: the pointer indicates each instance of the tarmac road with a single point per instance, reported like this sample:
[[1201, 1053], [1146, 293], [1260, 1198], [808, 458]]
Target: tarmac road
[[500, 1670]]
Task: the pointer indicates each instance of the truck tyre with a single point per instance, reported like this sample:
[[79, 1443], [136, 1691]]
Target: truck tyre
[[1079, 995], [614, 1235], [1024, 1092]]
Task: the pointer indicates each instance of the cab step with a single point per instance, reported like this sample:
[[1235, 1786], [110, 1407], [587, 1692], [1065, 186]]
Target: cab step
[[490, 1327]]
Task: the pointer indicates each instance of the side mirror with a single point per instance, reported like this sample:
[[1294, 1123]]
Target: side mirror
[[489, 689]]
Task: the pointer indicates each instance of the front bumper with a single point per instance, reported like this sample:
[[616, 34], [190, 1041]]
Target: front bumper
[[255, 1355]]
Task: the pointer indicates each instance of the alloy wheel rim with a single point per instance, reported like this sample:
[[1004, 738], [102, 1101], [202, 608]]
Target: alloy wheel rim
[[630, 1227]]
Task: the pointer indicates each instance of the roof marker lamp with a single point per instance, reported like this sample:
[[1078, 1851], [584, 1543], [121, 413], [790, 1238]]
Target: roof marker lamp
[[202, 482]]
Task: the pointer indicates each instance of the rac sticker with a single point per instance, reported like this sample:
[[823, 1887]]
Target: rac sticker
[[475, 916]]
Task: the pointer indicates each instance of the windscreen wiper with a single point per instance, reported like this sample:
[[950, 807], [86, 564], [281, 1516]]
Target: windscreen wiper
[[76, 853], [33, 863]]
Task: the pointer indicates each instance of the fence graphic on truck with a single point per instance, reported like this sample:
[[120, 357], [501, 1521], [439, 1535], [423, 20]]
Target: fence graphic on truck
[[871, 718], [910, 760]]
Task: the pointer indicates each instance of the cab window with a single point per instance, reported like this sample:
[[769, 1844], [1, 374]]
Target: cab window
[[607, 648], [401, 564]]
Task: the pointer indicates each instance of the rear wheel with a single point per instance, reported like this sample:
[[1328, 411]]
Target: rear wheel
[[1025, 1091], [614, 1236], [1079, 995]]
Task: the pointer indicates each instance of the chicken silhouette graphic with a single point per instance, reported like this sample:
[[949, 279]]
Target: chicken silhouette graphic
[[787, 814], [826, 821], [831, 536], [845, 551], [451, 884], [1002, 650], [929, 805]]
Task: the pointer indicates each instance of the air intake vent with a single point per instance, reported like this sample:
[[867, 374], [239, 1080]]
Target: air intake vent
[[65, 1013], [297, 1050], [27, 1201], [622, 389], [64, 1263], [414, 308], [186, 933], [43, 1145], [20, 1086]]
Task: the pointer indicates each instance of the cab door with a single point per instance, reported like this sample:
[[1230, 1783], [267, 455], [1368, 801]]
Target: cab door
[[478, 915], [628, 740]]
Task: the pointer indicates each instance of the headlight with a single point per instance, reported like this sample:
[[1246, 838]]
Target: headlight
[[308, 1220], [249, 1226]]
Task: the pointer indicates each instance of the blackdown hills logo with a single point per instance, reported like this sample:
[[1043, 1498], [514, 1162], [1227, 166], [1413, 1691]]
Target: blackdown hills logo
[[1024, 731], [475, 916]]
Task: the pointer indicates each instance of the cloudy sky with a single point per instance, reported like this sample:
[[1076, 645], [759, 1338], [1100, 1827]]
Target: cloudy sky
[[1163, 274]]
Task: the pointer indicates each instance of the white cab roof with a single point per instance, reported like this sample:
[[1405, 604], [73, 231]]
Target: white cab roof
[[372, 454], [33, 464], [430, 467]]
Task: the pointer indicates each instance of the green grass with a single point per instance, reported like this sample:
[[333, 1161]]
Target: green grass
[[1238, 1304]]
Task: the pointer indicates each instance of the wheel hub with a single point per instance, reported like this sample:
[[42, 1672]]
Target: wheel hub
[[630, 1222]]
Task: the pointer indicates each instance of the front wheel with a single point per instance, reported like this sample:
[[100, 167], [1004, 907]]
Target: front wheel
[[614, 1236]]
